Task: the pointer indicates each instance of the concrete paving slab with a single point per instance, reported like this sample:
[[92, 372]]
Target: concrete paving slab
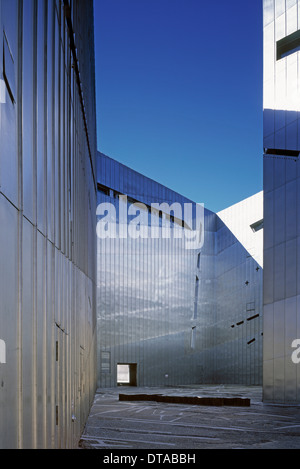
[[115, 424]]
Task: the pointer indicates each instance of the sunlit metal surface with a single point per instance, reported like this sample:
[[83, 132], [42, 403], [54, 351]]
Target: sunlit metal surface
[[281, 376], [47, 214], [182, 315]]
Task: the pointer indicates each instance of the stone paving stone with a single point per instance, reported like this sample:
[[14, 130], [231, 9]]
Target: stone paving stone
[[114, 424]]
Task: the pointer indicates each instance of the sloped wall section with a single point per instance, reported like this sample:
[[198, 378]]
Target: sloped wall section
[[176, 315]]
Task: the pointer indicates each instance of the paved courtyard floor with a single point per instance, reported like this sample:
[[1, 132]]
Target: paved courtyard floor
[[149, 425]]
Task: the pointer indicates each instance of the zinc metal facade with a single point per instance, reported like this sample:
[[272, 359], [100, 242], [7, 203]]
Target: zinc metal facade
[[239, 273], [47, 213], [281, 376], [182, 316]]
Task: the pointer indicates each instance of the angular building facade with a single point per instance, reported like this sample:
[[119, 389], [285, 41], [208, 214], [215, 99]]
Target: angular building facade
[[183, 305], [47, 213], [239, 273], [171, 313], [281, 375]]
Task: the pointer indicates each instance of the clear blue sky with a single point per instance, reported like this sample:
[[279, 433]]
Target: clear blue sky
[[179, 93]]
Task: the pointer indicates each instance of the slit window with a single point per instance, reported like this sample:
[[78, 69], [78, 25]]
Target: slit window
[[288, 45], [196, 298], [8, 69], [253, 317], [257, 226], [103, 189], [282, 152]]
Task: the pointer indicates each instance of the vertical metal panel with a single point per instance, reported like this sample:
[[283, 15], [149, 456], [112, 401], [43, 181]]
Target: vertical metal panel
[[290, 327], [268, 275], [41, 118], [268, 380], [50, 350], [28, 101], [9, 174], [28, 339], [291, 269], [279, 380], [279, 272], [291, 209], [9, 327], [41, 337], [281, 180], [279, 315], [43, 185], [56, 128], [279, 214], [50, 131]]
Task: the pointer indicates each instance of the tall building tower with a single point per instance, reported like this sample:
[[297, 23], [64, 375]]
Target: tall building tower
[[48, 226], [281, 375]]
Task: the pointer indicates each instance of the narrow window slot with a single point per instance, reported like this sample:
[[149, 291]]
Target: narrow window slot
[[253, 317], [103, 189], [196, 298], [8, 69], [282, 152], [257, 226], [288, 45]]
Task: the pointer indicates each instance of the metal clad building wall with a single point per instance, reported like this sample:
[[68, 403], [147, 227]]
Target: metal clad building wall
[[281, 200], [145, 292], [168, 310], [47, 240], [239, 324]]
